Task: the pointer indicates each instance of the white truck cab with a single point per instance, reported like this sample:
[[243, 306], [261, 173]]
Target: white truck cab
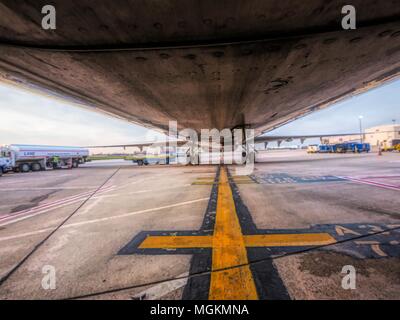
[[5, 160]]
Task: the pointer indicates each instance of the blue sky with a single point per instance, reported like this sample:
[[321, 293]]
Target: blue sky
[[29, 118], [378, 106]]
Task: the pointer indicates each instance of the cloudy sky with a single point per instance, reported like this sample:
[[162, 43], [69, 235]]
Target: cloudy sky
[[29, 118]]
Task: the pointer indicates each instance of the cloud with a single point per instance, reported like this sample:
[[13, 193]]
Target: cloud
[[33, 119]]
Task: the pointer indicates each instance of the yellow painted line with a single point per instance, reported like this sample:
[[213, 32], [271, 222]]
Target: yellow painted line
[[176, 242], [241, 178], [244, 182], [229, 251], [288, 240], [204, 181], [264, 240], [200, 183]]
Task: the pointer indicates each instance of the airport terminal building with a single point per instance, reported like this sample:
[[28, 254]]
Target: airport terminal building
[[386, 135]]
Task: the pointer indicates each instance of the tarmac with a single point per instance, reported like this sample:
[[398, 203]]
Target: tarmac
[[288, 230]]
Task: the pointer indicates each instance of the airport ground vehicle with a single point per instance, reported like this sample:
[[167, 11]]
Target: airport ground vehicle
[[322, 148], [353, 147], [142, 159], [24, 158], [340, 148], [325, 148], [312, 148], [394, 147], [3, 165]]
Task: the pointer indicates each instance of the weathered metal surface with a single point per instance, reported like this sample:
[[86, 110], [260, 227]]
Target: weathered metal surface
[[203, 63]]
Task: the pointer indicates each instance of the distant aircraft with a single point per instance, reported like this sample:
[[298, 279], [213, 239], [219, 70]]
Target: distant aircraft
[[279, 139], [201, 146]]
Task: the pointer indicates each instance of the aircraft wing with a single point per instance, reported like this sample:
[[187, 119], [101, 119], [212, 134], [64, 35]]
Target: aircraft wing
[[160, 143], [140, 144], [259, 139]]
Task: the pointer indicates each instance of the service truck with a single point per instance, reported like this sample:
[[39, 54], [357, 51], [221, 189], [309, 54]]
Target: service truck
[[353, 147], [24, 158]]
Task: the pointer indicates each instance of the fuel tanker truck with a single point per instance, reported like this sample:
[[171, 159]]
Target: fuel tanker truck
[[24, 158]]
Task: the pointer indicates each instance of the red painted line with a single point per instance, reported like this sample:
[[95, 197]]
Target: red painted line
[[373, 183], [44, 205], [54, 204], [379, 183], [376, 177], [36, 212], [69, 198]]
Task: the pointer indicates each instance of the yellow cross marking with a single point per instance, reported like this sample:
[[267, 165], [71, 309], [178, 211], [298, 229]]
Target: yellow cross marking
[[203, 181], [264, 240], [243, 180], [229, 282], [236, 179]]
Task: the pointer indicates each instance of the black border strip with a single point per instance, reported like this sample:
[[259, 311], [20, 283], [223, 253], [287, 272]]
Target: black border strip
[[265, 274], [197, 288]]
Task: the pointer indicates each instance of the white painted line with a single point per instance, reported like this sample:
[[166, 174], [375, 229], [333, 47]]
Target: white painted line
[[141, 191], [47, 188], [136, 212], [374, 246], [26, 234], [162, 289], [90, 205], [129, 214], [22, 178], [128, 184], [377, 249]]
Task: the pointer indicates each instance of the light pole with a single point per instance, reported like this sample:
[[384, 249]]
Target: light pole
[[361, 131]]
